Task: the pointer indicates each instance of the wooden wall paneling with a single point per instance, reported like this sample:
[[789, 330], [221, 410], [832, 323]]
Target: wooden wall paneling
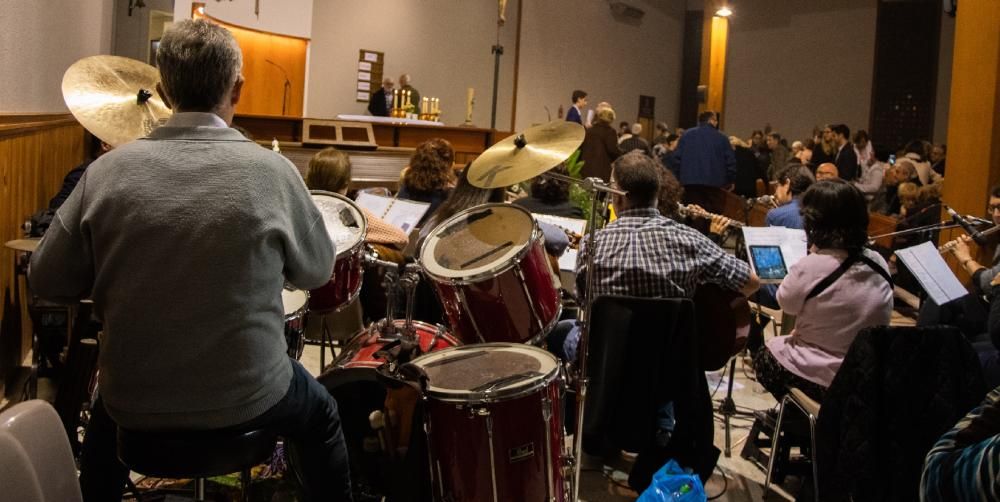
[[974, 117], [264, 87], [35, 155]]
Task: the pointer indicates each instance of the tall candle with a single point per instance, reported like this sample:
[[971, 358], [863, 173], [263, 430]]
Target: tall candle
[[395, 98], [424, 105], [470, 96], [406, 103]]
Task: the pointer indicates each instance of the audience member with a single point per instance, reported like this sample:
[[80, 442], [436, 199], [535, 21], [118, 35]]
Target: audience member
[[845, 158], [600, 145], [747, 169], [575, 113], [634, 141], [827, 171], [779, 155], [824, 148], [937, 158], [550, 196], [872, 173], [430, 176], [705, 163], [914, 151], [662, 132], [863, 149]]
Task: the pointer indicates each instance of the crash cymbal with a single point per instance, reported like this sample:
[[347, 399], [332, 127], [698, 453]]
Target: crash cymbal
[[523, 156], [115, 98], [29, 245]]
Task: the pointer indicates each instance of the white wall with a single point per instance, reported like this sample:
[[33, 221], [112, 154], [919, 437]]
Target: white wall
[[287, 17], [443, 44], [797, 64], [945, 61], [570, 45], [39, 41], [131, 33]]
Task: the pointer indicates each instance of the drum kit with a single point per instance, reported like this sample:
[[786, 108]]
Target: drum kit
[[491, 398]]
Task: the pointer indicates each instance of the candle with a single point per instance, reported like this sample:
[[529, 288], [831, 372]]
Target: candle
[[470, 96], [424, 105], [407, 103], [395, 98], [437, 106]]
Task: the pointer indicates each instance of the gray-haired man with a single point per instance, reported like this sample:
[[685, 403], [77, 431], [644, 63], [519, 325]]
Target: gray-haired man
[[184, 241]]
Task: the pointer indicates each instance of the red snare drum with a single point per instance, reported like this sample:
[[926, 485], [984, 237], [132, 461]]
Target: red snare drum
[[346, 225], [493, 423], [358, 361], [490, 270], [294, 302]]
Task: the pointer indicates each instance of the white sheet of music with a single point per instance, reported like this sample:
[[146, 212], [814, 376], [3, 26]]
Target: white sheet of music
[[402, 213], [792, 241], [931, 271]]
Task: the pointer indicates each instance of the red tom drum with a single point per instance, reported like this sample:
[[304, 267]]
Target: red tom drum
[[346, 225], [489, 268], [493, 423]]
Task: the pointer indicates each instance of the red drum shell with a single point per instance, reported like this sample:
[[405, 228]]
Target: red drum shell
[[517, 302], [344, 285], [348, 268], [358, 361], [527, 445]]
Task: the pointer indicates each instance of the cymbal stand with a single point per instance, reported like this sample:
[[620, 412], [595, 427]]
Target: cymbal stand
[[594, 186], [408, 280], [390, 282]]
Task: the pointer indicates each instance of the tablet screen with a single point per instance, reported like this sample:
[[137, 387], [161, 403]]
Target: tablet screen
[[768, 262]]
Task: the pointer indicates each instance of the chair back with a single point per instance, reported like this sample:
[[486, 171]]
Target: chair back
[[898, 390], [36, 462], [640, 355]]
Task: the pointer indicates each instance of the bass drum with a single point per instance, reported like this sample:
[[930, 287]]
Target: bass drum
[[391, 459]]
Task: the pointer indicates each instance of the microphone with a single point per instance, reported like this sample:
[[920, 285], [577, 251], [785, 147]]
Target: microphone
[[285, 89], [966, 225], [547, 112]]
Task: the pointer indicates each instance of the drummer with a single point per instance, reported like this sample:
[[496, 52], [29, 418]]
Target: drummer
[[645, 254], [185, 239]]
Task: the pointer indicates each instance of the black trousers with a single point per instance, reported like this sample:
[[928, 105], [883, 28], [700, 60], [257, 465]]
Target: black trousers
[[306, 417]]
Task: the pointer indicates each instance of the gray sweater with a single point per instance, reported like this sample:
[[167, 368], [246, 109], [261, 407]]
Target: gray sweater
[[184, 240]]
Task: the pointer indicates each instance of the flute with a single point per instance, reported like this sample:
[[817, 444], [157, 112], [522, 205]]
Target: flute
[[701, 213], [948, 246]]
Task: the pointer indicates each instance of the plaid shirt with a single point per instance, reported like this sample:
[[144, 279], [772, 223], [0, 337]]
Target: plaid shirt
[[645, 254]]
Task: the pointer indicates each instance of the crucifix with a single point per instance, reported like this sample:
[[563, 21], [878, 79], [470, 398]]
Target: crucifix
[[256, 8]]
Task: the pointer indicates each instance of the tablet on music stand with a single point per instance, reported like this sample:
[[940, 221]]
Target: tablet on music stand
[[768, 263]]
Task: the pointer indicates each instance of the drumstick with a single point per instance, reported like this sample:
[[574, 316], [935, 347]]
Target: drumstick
[[488, 254]]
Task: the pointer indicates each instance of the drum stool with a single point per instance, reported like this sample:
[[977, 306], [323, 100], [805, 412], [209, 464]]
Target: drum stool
[[195, 454]]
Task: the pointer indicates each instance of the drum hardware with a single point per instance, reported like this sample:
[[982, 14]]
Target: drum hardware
[[493, 464], [112, 97], [523, 156], [599, 191]]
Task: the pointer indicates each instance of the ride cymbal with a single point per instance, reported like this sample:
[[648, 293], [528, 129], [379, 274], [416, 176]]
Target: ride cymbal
[[115, 98], [523, 156]]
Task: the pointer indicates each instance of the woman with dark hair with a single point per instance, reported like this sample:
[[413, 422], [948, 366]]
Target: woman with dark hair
[[430, 175], [550, 196], [462, 197], [834, 292]]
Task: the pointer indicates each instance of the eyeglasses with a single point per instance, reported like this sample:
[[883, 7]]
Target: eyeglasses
[[992, 208]]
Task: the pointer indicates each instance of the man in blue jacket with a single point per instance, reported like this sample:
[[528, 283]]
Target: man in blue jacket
[[705, 164]]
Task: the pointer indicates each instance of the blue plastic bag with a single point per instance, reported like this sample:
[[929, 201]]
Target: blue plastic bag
[[673, 484]]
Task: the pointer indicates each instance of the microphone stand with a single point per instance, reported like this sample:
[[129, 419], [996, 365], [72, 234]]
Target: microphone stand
[[286, 88], [594, 186]]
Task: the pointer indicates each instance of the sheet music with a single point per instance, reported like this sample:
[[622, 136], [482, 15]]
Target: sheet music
[[792, 241], [402, 213], [931, 271], [567, 261]]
